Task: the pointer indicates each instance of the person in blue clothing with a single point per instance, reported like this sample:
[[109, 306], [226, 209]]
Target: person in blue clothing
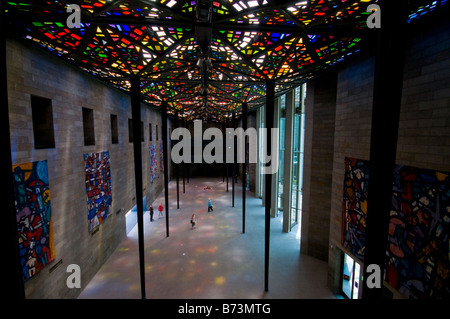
[[210, 207]]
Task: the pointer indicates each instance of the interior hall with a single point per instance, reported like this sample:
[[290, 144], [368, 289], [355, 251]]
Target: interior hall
[[226, 149]]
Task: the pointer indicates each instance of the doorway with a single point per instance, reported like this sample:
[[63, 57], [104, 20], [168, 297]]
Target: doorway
[[350, 278], [131, 216]]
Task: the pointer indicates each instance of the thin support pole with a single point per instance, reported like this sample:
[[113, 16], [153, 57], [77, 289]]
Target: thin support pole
[[135, 91], [188, 170], [233, 170], [177, 168], [184, 164], [184, 177], [224, 149], [226, 164], [166, 162], [269, 118], [244, 165], [387, 95]]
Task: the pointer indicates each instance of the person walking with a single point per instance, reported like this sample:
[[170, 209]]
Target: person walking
[[193, 221], [210, 206], [151, 213], [160, 210]]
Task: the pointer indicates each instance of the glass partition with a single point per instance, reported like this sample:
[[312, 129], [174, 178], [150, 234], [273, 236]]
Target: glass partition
[[282, 143], [297, 155]]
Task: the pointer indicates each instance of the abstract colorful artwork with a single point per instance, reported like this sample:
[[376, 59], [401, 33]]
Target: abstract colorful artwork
[[290, 47], [98, 187], [355, 205], [153, 162], [418, 253], [33, 215], [161, 158]]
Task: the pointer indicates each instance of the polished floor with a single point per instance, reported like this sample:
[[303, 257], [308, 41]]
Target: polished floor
[[214, 260]]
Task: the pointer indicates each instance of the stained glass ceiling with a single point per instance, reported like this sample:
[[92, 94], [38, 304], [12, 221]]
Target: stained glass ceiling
[[203, 57]]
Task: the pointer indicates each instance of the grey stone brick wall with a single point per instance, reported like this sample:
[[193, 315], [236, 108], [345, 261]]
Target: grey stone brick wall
[[319, 141], [424, 127], [32, 71]]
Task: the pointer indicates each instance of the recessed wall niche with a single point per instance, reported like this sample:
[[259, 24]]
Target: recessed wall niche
[[114, 129], [42, 115], [88, 126]]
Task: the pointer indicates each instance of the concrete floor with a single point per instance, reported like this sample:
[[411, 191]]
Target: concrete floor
[[215, 260]]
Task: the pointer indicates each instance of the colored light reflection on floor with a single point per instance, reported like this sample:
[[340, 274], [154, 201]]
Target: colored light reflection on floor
[[215, 260], [220, 280]]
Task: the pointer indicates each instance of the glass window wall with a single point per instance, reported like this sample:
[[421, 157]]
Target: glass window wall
[[282, 134], [297, 156]]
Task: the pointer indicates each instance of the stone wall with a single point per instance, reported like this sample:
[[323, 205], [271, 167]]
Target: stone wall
[[319, 140], [424, 130], [424, 127], [34, 72], [352, 139]]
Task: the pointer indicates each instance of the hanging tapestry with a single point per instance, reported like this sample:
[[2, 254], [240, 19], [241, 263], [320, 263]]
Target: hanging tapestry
[[418, 253], [418, 245], [354, 205], [33, 216], [98, 187], [153, 162]]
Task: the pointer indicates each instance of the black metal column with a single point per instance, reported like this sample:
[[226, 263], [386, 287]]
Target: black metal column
[[166, 162], [244, 165], [224, 151], [227, 164], [177, 167], [387, 94], [135, 91], [269, 118], [184, 164], [233, 167], [188, 170], [13, 285], [184, 177]]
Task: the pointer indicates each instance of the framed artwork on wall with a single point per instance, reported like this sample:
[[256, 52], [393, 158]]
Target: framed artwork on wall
[[354, 206], [418, 253], [98, 187], [153, 162], [418, 245], [33, 216]]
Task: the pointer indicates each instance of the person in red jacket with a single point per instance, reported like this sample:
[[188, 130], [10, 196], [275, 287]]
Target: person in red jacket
[[160, 210]]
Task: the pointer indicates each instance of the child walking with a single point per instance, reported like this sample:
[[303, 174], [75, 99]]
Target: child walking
[[210, 206], [193, 221], [160, 210]]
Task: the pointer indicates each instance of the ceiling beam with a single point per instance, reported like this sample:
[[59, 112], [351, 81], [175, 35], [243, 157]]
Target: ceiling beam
[[336, 29]]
